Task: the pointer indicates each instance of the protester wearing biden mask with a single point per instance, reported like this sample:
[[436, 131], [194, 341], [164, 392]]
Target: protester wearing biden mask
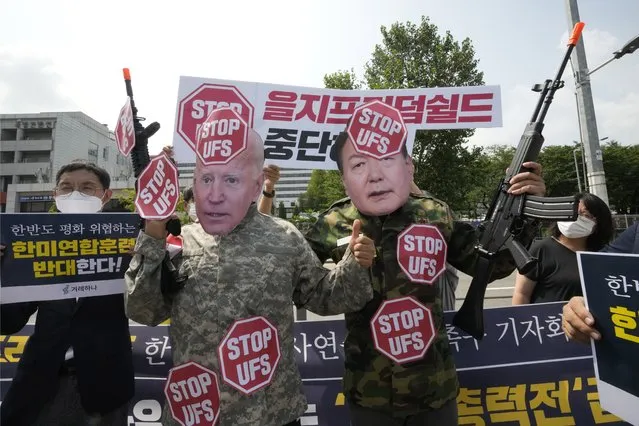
[[556, 277], [77, 366]]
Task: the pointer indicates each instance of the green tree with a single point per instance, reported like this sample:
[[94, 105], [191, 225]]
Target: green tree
[[558, 169], [413, 56], [324, 188], [296, 210], [345, 80], [489, 168], [126, 199], [281, 210], [621, 167]]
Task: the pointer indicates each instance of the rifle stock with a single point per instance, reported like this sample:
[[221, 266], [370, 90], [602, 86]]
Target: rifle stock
[[140, 153], [509, 214]]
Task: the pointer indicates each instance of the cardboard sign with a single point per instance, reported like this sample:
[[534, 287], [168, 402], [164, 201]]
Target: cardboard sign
[[221, 137], [198, 105], [377, 129], [421, 253], [249, 354], [403, 329], [158, 194], [193, 394], [124, 130]]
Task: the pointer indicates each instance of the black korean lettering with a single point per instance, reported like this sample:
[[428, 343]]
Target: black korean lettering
[[279, 144]]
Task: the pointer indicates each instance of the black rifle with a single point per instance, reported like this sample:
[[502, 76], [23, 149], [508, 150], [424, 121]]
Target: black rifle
[[140, 153], [508, 214], [170, 281]]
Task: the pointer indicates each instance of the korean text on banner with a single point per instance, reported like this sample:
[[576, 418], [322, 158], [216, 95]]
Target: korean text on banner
[[300, 124], [523, 372], [610, 284], [62, 256]]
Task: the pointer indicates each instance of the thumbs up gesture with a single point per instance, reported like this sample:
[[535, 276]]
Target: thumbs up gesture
[[363, 248]]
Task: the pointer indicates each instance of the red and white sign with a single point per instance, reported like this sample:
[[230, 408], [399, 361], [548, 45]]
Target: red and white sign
[[249, 354], [158, 193], [195, 107], [421, 253], [403, 329], [299, 124], [174, 244], [221, 137], [377, 130], [124, 130], [193, 394]]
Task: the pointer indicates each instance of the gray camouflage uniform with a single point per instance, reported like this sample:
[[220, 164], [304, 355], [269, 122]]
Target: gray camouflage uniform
[[257, 269]]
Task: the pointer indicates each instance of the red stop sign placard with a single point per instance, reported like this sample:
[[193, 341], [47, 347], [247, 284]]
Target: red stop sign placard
[[403, 329], [193, 394], [377, 130], [221, 137], [421, 253], [124, 130], [198, 105], [249, 354], [158, 185]]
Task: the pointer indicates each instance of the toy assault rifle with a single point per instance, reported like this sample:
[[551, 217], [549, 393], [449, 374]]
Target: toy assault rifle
[[140, 153], [507, 216], [170, 281]]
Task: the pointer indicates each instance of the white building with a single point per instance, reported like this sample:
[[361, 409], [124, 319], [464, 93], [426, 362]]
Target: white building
[[292, 184], [34, 146]]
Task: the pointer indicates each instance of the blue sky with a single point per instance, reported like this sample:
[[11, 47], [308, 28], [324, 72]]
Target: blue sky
[[67, 55]]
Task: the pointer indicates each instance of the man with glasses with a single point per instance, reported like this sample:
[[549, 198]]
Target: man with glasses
[[77, 367]]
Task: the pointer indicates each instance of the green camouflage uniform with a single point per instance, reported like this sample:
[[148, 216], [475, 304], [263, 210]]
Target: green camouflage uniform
[[371, 379], [257, 269]]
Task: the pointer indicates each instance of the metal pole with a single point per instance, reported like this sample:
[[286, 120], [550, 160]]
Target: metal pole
[[589, 135], [583, 164], [574, 155], [602, 65]]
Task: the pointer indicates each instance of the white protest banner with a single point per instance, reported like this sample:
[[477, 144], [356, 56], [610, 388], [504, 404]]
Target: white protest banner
[[300, 124]]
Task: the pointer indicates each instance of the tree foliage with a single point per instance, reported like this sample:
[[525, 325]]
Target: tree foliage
[[417, 55], [346, 80], [281, 210], [324, 188], [621, 167]]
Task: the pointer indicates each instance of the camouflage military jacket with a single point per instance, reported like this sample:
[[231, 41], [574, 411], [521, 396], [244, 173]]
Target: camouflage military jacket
[[256, 270], [371, 379]]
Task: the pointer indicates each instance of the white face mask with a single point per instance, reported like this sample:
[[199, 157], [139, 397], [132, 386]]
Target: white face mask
[[192, 213], [580, 228], [76, 202]]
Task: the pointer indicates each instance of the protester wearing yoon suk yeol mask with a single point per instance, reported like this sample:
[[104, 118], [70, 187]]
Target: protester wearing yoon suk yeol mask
[[77, 367], [556, 277]]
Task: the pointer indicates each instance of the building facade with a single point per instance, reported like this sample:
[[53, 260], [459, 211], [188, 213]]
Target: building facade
[[292, 184], [34, 146]]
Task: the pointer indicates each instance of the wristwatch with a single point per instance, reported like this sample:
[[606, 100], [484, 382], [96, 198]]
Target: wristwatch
[[268, 194]]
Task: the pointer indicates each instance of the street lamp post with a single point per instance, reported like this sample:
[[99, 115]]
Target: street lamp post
[[627, 49], [596, 178], [574, 155], [583, 163]]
